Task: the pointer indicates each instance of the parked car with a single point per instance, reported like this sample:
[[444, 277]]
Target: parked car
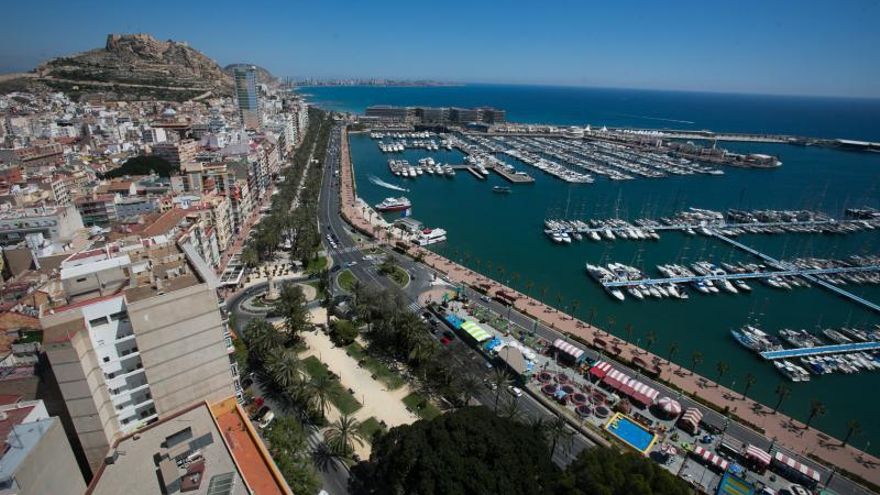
[[266, 420]]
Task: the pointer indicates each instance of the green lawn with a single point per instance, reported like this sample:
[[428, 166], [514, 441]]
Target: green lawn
[[399, 276], [339, 395], [317, 285], [379, 370], [369, 427], [421, 406], [346, 280], [316, 265]]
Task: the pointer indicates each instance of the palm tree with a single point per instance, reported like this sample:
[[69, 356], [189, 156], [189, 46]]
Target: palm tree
[[574, 307], [750, 380], [421, 351], [286, 370], [320, 388], [782, 391], [696, 359], [649, 340], [468, 387], [853, 427], [529, 285], [673, 350], [629, 332], [817, 408], [592, 316], [500, 380], [343, 434], [557, 430], [721, 368], [543, 293]]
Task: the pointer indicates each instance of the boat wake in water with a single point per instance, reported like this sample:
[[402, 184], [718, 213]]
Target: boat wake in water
[[382, 183], [645, 117]]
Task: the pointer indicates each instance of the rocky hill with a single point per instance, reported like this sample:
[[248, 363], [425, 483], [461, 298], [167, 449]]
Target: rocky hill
[[263, 75], [136, 66]]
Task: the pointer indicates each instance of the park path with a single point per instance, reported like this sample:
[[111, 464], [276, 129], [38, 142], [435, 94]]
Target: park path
[[786, 430], [379, 402]]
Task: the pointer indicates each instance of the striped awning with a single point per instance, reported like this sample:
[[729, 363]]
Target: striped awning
[[691, 418], [758, 454], [796, 466], [615, 379], [572, 350], [475, 331], [710, 457], [644, 394], [600, 369]]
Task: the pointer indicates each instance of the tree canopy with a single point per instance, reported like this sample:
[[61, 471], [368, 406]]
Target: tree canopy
[[470, 450], [143, 165], [602, 471]]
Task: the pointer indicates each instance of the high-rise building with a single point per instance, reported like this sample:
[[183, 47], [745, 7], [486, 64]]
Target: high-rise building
[[133, 336], [247, 94]]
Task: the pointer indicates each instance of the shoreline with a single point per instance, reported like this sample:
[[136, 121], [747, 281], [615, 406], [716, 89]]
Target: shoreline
[[811, 443]]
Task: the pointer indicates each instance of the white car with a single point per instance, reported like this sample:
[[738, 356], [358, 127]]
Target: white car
[[266, 420], [514, 391]]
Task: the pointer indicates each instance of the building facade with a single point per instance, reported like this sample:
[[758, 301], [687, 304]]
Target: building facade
[[247, 96], [139, 336]]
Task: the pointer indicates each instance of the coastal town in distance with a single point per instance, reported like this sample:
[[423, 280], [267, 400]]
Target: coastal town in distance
[[263, 277]]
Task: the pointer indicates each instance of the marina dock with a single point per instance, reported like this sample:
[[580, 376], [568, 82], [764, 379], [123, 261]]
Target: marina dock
[[807, 274], [797, 272], [821, 350], [511, 176]]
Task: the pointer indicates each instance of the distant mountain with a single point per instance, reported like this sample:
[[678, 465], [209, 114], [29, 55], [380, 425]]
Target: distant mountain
[[263, 75], [135, 66]]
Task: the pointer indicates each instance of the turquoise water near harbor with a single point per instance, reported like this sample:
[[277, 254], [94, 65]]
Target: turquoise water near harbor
[[502, 236]]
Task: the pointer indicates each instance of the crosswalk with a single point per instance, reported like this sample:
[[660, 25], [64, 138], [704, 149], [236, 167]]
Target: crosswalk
[[414, 307]]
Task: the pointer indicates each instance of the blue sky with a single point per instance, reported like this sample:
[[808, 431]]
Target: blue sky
[[805, 47]]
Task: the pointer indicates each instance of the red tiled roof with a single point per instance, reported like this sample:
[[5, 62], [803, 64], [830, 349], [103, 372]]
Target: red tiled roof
[[13, 417], [165, 222]]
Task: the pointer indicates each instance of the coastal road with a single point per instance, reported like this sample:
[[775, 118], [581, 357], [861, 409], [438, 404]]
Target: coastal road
[[468, 359]]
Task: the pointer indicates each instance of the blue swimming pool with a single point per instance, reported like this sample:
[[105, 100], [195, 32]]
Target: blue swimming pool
[[631, 433]]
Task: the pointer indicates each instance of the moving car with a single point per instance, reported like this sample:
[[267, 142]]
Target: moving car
[[515, 391]]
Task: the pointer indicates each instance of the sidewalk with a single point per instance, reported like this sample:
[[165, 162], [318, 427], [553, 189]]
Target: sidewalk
[[787, 431]]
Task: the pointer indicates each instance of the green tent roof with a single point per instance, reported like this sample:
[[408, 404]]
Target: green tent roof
[[475, 331]]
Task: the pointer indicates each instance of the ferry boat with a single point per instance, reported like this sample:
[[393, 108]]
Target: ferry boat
[[394, 204], [501, 189], [430, 236]]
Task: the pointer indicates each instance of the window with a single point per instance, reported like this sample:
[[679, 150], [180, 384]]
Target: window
[[81, 280], [98, 321], [121, 315], [106, 359]]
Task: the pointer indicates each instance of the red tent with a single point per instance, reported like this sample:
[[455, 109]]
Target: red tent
[[600, 369], [710, 458], [758, 455], [690, 420], [615, 379], [793, 466]]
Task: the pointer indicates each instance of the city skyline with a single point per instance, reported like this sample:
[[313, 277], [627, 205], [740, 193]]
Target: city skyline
[[749, 48]]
